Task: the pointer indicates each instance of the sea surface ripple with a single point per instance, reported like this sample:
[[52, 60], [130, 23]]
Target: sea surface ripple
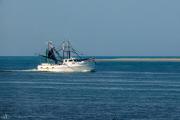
[[116, 91]]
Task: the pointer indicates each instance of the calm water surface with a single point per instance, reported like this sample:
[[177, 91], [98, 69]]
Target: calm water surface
[[116, 91]]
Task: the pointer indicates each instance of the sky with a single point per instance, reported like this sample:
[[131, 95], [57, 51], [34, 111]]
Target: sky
[[94, 27]]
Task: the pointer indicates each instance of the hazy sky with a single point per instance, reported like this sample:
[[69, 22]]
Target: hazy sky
[[95, 27]]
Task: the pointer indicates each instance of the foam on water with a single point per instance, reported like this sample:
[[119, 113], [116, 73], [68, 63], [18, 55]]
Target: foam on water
[[27, 70]]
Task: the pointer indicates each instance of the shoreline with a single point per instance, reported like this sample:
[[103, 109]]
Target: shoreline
[[139, 60]]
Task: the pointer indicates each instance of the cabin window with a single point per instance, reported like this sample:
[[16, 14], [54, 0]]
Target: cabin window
[[65, 60], [70, 60]]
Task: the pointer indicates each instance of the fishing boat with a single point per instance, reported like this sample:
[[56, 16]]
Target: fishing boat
[[65, 59]]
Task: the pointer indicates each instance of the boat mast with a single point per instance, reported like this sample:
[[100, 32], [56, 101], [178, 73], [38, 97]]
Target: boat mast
[[69, 49], [66, 47]]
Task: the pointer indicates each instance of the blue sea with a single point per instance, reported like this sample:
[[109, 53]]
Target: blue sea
[[116, 91]]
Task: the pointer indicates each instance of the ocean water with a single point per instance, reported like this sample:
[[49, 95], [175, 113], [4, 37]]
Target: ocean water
[[116, 91]]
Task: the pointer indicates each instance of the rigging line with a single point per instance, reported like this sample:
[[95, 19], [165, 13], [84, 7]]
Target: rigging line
[[49, 58], [57, 53], [76, 52]]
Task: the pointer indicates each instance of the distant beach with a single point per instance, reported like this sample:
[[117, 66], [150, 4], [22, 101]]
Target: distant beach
[[138, 60]]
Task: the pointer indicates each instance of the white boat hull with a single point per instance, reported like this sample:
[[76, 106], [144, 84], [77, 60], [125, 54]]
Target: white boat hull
[[70, 67]]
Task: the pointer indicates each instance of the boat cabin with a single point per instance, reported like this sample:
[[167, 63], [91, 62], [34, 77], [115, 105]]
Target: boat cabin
[[71, 60]]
